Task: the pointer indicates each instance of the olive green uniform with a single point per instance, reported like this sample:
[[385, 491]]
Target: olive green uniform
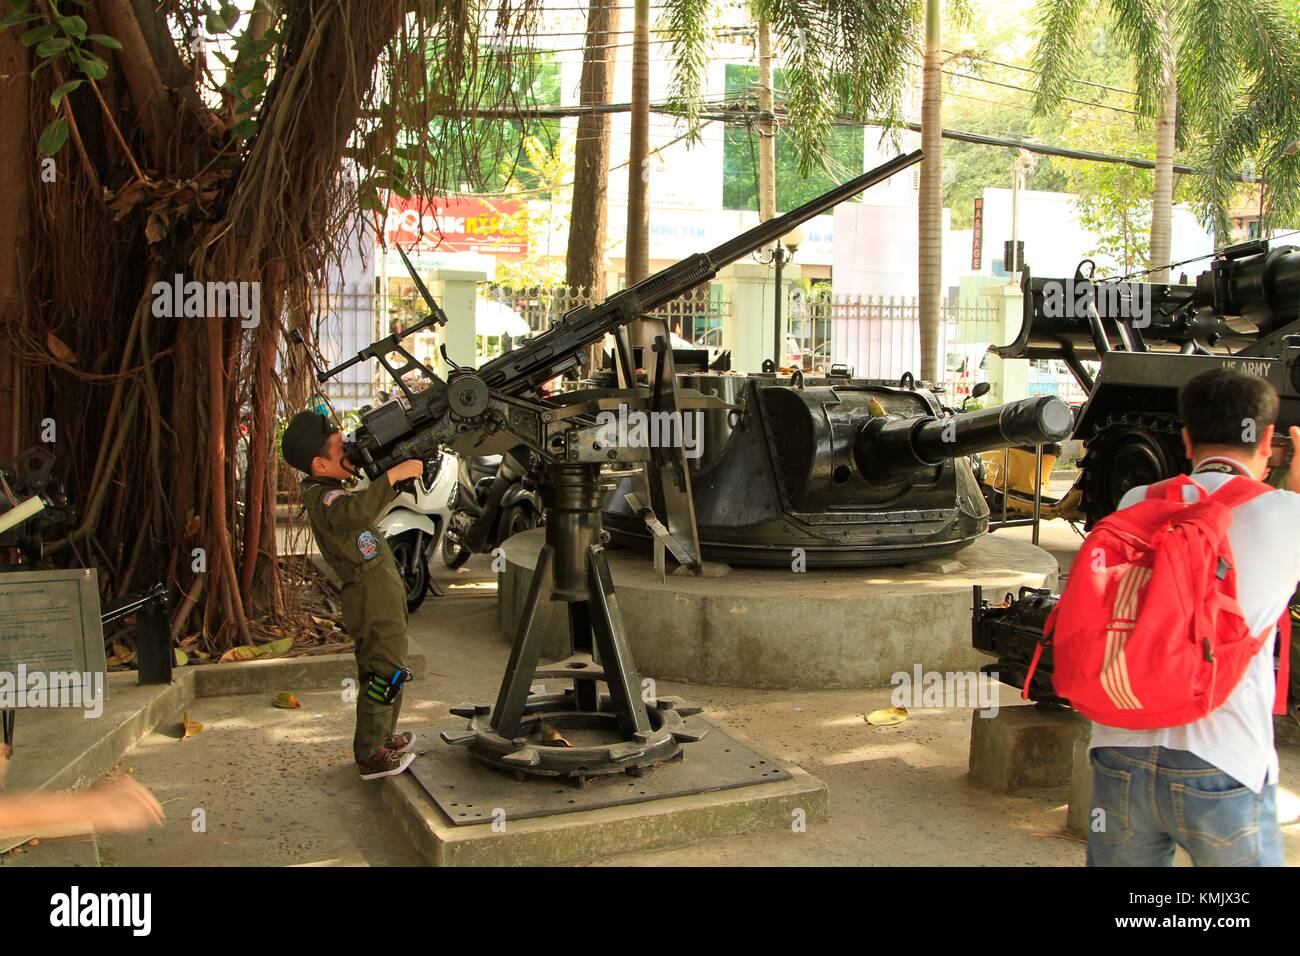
[[373, 596]]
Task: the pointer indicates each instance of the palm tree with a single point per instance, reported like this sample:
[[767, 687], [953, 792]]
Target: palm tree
[[1221, 78]]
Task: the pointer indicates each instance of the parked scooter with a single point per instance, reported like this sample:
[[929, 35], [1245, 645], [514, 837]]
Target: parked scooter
[[492, 503], [415, 522]]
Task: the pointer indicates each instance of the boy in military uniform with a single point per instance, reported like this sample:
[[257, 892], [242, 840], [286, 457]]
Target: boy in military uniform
[[373, 597]]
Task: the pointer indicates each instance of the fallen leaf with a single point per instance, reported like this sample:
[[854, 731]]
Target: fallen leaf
[[286, 700], [282, 646], [181, 657], [33, 842], [241, 653], [552, 737], [187, 641], [156, 228], [121, 654], [188, 727], [59, 350], [886, 716]]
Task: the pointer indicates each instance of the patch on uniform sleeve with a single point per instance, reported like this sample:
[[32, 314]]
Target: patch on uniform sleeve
[[330, 496], [368, 545]]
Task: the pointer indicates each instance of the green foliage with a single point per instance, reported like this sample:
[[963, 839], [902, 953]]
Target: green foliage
[[1114, 201], [62, 39], [548, 164], [853, 55], [499, 158], [1237, 66], [844, 157]]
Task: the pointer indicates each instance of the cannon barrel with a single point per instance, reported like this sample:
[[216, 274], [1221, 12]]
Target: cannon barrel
[[888, 448]]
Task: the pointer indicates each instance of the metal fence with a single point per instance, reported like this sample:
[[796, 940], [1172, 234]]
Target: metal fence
[[690, 315], [876, 336], [880, 337], [345, 323]]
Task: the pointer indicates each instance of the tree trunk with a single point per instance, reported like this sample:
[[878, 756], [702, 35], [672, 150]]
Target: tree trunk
[[16, 171], [584, 263], [930, 214], [637, 259], [1162, 199]]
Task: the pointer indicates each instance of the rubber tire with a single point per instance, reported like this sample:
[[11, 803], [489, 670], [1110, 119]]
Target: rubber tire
[[454, 555], [417, 585], [516, 520], [1121, 458]]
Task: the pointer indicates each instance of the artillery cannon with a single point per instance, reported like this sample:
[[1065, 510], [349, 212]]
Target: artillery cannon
[[855, 472]]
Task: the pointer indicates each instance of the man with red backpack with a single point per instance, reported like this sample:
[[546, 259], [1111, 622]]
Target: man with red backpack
[[1165, 638]]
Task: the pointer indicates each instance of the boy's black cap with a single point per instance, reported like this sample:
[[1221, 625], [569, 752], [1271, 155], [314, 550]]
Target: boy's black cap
[[303, 438]]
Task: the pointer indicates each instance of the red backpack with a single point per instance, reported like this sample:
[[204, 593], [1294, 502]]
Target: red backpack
[[1148, 632]]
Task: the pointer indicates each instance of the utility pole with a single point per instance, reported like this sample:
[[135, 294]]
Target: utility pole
[[766, 125]]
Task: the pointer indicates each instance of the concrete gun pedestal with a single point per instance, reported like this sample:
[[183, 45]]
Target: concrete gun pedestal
[[1079, 812], [1024, 748], [777, 628]]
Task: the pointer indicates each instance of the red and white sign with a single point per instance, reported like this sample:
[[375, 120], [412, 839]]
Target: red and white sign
[[498, 226]]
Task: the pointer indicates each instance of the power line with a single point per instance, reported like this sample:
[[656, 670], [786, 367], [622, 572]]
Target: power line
[[1027, 109], [1026, 69], [1022, 89], [749, 116]]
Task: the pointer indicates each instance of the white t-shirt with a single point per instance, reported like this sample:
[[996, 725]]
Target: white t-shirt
[[1237, 737]]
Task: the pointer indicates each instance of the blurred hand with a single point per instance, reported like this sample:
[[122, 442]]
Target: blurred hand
[[119, 804], [411, 468]]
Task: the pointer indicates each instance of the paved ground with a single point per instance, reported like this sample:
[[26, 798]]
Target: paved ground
[[277, 788]]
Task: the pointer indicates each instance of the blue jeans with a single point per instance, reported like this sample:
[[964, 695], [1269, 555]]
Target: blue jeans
[[1146, 800]]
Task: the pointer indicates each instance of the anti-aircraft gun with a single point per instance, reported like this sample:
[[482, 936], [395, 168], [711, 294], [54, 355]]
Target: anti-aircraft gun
[[500, 405], [851, 472], [1243, 312]]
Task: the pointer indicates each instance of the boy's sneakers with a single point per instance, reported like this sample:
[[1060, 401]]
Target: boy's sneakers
[[400, 743], [386, 763]]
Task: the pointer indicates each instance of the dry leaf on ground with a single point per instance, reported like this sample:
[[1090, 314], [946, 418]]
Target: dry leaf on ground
[[886, 716]]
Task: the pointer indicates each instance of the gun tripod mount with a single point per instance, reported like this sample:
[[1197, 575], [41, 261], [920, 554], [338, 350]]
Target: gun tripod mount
[[623, 731]]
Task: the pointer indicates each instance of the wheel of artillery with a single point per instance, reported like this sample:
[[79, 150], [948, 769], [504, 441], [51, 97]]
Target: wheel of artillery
[[596, 744], [1124, 457]]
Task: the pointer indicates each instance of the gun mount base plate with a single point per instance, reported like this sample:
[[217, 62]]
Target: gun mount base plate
[[593, 743], [468, 793]]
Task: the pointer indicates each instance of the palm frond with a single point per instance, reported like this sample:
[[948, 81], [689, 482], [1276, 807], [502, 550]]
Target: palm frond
[[690, 23], [1060, 45], [1144, 30]]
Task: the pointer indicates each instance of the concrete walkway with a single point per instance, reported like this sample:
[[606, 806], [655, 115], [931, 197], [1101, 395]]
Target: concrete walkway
[[276, 787]]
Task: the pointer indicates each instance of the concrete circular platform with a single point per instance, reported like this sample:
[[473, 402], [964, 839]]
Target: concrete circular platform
[[772, 628]]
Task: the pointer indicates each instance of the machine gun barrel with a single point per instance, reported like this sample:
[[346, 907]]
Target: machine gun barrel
[[886, 447], [1253, 281], [561, 347]]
